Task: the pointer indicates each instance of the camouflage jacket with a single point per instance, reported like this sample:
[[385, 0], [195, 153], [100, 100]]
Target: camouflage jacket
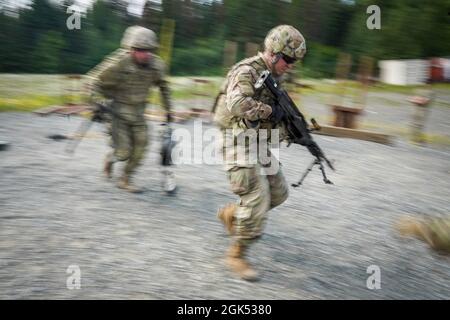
[[241, 109], [239, 100], [128, 85], [110, 60]]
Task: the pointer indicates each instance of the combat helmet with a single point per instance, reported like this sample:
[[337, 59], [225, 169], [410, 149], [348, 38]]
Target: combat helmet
[[140, 38], [286, 40], [128, 35]]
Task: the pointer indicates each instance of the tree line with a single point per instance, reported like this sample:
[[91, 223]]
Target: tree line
[[36, 39]]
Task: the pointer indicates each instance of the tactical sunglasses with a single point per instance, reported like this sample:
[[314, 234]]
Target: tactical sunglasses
[[141, 50], [288, 59]]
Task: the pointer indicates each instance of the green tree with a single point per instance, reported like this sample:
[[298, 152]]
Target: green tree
[[47, 53], [409, 29], [10, 43]]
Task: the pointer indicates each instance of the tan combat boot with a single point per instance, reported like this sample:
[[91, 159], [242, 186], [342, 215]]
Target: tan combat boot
[[416, 228], [108, 165], [226, 215], [124, 183], [408, 227], [235, 260], [107, 169]]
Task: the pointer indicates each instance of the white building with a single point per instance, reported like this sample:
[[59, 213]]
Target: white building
[[404, 72]]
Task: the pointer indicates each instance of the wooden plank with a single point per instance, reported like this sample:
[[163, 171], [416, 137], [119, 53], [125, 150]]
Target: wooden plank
[[74, 109], [356, 134], [179, 115], [62, 110], [346, 109], [47, 110]]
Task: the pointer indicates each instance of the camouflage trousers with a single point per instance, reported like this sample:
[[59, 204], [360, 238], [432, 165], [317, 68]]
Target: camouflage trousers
[[439, 233], [130, 140], [258, 194]]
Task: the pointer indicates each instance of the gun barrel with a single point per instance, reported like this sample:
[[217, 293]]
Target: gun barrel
[[78, 136]]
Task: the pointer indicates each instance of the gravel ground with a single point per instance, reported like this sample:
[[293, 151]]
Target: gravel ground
[[58, 210]]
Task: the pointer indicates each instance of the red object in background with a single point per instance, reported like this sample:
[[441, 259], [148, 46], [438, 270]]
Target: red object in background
[[436, 70]]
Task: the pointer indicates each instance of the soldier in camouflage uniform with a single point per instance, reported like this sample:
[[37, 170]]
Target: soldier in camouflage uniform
[[126, 82], [242, 109], [434, 231], [114, 57], [92, 76]]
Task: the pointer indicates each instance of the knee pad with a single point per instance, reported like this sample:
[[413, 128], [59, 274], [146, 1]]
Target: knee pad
[[121, 155], [279, 199]]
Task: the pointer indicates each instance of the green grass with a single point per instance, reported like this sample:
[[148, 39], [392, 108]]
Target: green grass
[[405, 132], [192, 90], [32, 92], [381, 87], [28, 103], [33, 102], [23, 92], [331, 86]]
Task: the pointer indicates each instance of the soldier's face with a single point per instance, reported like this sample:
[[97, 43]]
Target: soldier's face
[[283, 65], [141, 56]]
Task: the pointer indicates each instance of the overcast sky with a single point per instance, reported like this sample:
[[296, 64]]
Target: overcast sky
[[134, 7]]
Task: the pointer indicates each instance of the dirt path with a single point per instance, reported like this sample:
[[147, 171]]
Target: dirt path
[[57, 210]]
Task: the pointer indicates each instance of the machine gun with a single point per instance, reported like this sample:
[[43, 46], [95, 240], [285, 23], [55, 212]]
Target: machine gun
[[100, 113], [167, 145], [296, 125]]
